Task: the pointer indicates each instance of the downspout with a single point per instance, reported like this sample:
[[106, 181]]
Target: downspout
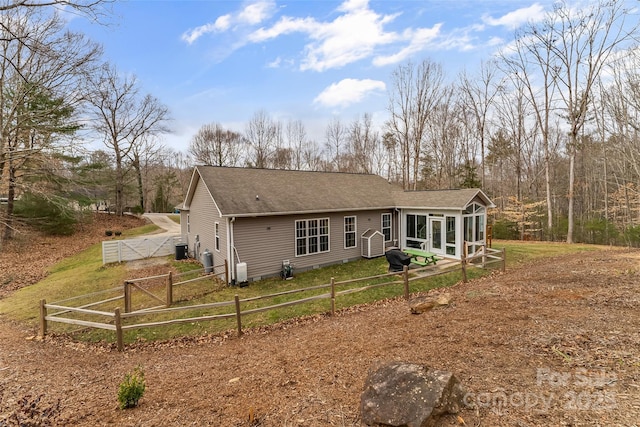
[[398, 226], [230, 249]]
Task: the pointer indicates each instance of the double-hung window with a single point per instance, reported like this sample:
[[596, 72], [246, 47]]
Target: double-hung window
[[386, 226], [312, 236], [217, 236], [349, 232]]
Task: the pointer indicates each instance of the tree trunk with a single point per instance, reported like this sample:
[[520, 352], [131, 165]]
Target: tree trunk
[[119, 188], [138, 169], [11, 194], [572, 160], [547, 178]]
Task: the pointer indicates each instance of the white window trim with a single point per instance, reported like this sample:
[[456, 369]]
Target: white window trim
[[382, 227], [355, 231], [217, 236], [306, 221]]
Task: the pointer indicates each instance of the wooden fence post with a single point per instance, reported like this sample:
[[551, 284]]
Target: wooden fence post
[[238, 315], [405, 278], [118, 323], [226, 272], [463, 263], [43, 318], [127, 297], [504, 260], [170, 290], [333, 296]]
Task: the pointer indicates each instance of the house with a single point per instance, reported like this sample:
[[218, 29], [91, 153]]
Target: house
[[259, 219]]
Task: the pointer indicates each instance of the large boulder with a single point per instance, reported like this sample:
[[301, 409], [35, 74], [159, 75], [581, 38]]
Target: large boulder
[[403, 394], [423, 304]]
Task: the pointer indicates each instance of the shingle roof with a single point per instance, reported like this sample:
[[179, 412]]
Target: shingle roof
[[255, 192], [240, 191], [440, 199]]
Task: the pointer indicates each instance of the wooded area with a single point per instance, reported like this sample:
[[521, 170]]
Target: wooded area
[[548, 127]]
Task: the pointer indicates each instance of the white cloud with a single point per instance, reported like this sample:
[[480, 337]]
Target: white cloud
[[352, 36], [285, 25], [275, 63], [418, 40], [251, 14], [223, 23], [195, 33], [257, 12], [354, 33], [347, 92], [515, 19]]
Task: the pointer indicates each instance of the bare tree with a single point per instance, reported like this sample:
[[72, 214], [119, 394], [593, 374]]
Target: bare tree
[[142, 156], [450, 150], [335, 143], [582, 44], [93, 9], [312, 156], [529, 64], [263, 136], [364, 144], [124, 119], [183, 165], [296, 136], [415, 91], [477, 96], [213, 145]]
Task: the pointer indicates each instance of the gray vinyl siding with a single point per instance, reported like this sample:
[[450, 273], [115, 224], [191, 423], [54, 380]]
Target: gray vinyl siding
[[264, 242], [183, 223], [203, 215]]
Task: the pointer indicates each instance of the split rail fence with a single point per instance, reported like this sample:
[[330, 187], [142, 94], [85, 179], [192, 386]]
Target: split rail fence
[[121, 321]]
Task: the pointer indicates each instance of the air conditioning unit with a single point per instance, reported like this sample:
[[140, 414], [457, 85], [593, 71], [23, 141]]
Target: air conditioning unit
[[241, 272]]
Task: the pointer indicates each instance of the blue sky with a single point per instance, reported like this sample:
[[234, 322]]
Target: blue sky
[[222, 61]]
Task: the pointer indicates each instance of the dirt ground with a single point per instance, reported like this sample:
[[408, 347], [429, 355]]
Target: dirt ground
[[555, 343]]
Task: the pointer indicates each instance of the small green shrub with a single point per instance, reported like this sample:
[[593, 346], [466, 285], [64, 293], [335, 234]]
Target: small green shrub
[[131, 389]]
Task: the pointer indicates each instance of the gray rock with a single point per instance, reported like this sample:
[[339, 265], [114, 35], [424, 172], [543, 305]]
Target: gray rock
[[403, 394]]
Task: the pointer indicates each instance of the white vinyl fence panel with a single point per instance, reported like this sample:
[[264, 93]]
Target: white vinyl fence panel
[[132, 249]]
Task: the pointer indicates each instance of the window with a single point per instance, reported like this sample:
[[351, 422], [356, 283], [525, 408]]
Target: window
[[386, 226], [312, 236], [411, 225], [188, 225], [349, 232], [474, 225], [451, 235], [416, 230], [217, 236]]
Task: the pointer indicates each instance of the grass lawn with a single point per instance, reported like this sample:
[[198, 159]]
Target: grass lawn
[[84, 279]]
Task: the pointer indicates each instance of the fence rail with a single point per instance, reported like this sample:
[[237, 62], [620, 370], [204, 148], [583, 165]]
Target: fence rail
[[114, 320]]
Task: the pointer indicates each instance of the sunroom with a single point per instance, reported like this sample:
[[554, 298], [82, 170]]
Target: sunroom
[[448, 226]]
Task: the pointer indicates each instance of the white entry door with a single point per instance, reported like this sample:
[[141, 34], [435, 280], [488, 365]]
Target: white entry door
[[437, 236]]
